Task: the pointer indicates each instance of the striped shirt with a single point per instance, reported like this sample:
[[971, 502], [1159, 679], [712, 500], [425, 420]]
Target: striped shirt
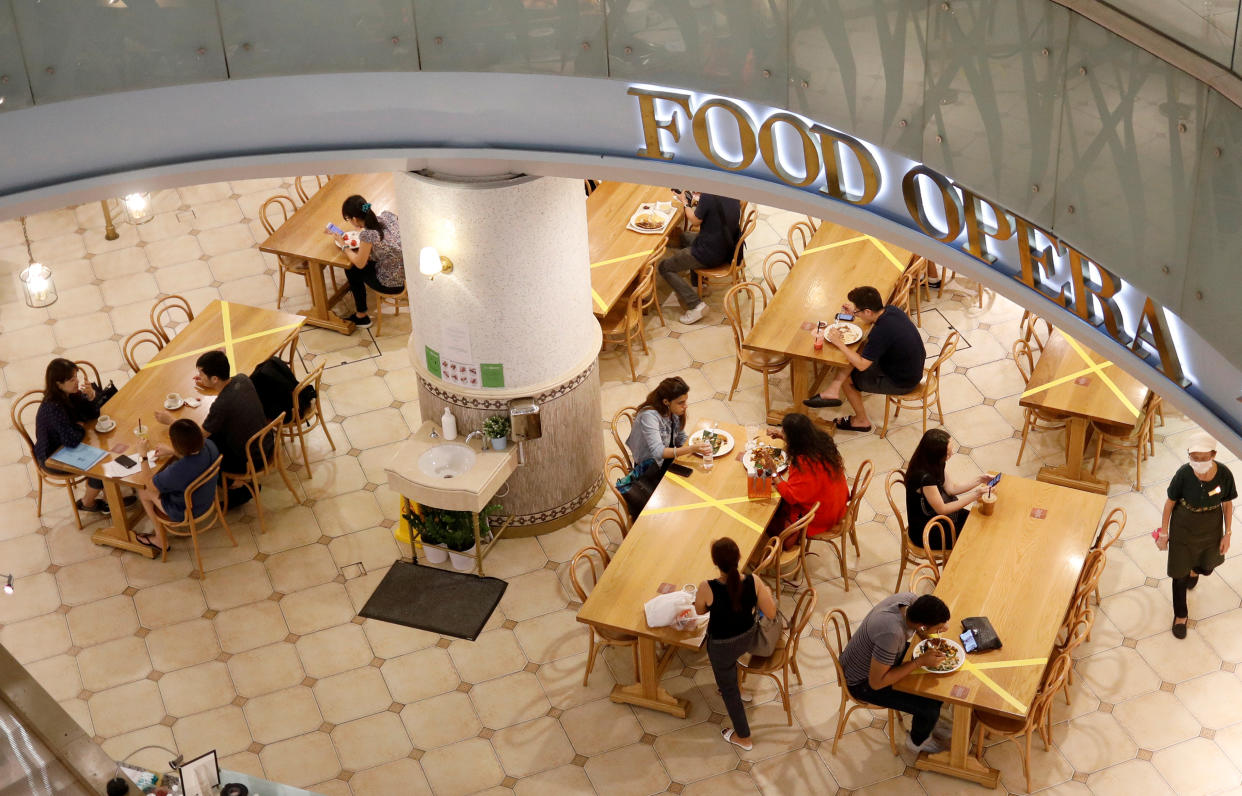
[[883, 635]]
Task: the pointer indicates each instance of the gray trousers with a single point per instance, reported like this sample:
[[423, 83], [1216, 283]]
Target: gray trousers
[[723, 654], [676, 262]]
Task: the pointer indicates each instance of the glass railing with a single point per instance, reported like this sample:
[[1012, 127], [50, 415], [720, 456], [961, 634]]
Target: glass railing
[[1208, 27]]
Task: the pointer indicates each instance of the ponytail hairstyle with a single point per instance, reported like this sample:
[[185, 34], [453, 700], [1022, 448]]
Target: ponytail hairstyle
[[58, 370], [725, 555], [359, 208]]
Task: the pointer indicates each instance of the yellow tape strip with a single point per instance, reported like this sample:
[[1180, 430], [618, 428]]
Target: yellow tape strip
[[1109, 382], [1063, 379], [990, 683], [828, 246], [226, 321], [689, 506], [1009, 664], [599, 301], [622, 258], [892, 258], [683, 483], [215, 346]]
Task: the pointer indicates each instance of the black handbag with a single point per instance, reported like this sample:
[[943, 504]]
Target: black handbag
[[985, 634], [102, 394], [641, 488]]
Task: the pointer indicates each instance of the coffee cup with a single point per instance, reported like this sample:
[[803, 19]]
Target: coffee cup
[[987, 502], [690, 589], [172, 399], [103, 420]]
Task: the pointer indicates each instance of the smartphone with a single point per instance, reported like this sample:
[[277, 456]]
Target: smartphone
[[125, 461], [335, 230], [680, 469], [995, 480], [968, 641], [844, 316]]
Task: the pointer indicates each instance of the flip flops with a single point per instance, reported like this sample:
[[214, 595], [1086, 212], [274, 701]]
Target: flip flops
[[144, 539], [846, 424], [816, 402]]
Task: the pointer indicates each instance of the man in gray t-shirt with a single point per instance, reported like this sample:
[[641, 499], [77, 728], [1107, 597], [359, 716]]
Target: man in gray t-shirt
[[872, 660]]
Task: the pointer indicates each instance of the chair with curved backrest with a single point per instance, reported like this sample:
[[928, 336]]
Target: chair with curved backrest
[[163, 311], [604, 519], [300, 185], [1030, 334], [781, 258], [740, 305], [1037, 719], [792, 560], [813, 222], [395, 300], [134, 343], [1075, 634], [23, 404], [302, 422], [1088, 582], [192, 526], [624, 415], [923, 576], [288, 351], [845, 529], [837, 628], [1140, 438], [928, 390], [936, 557], [585, 558], [285, 265], [615, 468], [624, 322], [255, 448], [799, 236], [785, 657], [1038, 419], [653, 260], [734, 271], [862, 482], [909, 550], [909, 289]]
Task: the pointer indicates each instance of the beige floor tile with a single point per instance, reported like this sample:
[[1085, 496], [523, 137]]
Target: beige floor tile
[[1118, 674], [942, 785], [38, 638], [113, 663], [420, 675], [288, 529], [371, 741], [58, 675], [222, 240], [796, 772], [534, 746], [223, 729], [352, 695], [31, 597], [561, 781], [494, 653], [1130, 777], [1095, 741], [465, 767], [197, 688], [301, 761], [600, 726], [695, 752], [250, 626], [66, 544], [184, 644], [863, 758], [300, 568], [399, 776], [1156, 720], [509, 700], [371, 429], [354, 511], [1197, 766], [334, 650], [266, 669], [562, 681], [817, 709], [142, 572], [390, 641], [90, 580], [1048, 768], [245, 763], [658, 723], [170, 603], [1177, 659], [126, 708], [734, 783], [374, 547], [551, 636], [770, 733], [80, 713], [121, 747], [105, 620], [441, 720], [632, 770], [1215, 699], [317, 608], [283, 714], [1140, 612], [533, 594], [26, 555], [236, 585]]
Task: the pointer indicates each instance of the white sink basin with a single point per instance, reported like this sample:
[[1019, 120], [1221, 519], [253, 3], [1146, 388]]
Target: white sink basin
[[446, 461]]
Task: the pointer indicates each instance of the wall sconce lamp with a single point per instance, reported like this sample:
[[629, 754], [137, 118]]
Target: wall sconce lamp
[[37, 286], [431, 262], [8, 584], [138, 208]]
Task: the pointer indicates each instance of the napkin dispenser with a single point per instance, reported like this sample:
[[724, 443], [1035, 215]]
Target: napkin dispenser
[[524, 420]]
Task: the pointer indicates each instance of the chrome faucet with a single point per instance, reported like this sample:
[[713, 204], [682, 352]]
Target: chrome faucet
[[482, 440]]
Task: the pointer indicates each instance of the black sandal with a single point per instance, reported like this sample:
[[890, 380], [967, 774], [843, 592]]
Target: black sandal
[[846, 424], [144, 539]]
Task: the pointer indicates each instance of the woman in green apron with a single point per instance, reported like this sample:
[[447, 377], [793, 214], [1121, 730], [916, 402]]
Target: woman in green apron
[[1195, 527]]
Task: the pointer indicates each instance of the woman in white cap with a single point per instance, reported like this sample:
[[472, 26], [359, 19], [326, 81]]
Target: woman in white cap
[[1195, 526]]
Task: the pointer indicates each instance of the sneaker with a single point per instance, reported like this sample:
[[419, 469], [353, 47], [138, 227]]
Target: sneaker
[[359, 321], [931, 745], [694, 314], [100, 507]]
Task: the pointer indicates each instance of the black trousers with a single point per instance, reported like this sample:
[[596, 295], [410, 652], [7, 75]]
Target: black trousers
[[925, 711], [360, 279]]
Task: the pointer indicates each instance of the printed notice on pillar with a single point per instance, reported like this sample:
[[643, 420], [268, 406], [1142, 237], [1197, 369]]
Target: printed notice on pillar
[[433, 361], [455, 342], [466, 374], [493, 374]]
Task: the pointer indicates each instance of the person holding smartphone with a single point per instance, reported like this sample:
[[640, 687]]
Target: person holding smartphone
[[658, 436], [716, 225], [928, 493], [378, 262], [163, 498]]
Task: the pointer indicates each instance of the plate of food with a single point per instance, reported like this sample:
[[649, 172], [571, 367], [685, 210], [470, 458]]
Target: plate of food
[[955, 655], [850, 332], [351, 240], [779, 457], [721, 440], [649, 219]]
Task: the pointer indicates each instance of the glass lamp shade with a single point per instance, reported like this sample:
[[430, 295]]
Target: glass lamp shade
[[37, 286], [138, 208]]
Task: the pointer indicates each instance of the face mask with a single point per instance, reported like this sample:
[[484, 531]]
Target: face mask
[[1201, 467]]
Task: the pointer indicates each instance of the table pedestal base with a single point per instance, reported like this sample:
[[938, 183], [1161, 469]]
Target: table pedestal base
[[1072, 473], [121, 533], [958, 762], [320, 312], [647, 692]]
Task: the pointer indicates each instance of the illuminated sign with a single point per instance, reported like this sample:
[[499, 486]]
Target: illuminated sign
[[737, 136]]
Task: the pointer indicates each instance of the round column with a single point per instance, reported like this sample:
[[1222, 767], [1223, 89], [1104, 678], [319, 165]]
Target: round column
[[512, 320]]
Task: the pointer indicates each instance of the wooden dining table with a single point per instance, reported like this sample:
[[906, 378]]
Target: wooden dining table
[[302, 238], [1072, 380], [1017, 567], [671, 543], [248, 335], [835, 261], [617, 253]]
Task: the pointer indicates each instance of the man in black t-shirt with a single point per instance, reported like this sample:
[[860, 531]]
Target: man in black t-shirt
[[718, 219], [890, 363]]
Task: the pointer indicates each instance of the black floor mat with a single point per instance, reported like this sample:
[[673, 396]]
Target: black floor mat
[[450, 603]]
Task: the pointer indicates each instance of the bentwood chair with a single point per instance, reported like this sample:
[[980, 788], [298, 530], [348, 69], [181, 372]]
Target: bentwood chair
[[911, 552], [789, 566], [301, 184], [284, 207], [773, 263], [303, 421], [395, 300], [838, 537], [909, 290], [942, 527], [1139, 438], [17, 414], [1088, 583], [653, 260], [784, 658], [1037, 720], [585, 560], [1030, 332], [928, 391], [1037, 419], [743, 305], [733, 272], [813, 222], [288, 351], [164, 312], [193, 525], [615, 469], [605, 520], [837, 629], [620, 426], [257, 447], [624, 323], [799, 236], [135, 342], [924, 578], [1074, 635]]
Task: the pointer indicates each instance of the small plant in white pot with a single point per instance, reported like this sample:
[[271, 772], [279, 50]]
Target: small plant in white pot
[[496, 428]]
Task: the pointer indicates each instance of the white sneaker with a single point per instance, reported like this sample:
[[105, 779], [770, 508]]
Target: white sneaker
[[931, 745], [694, 314]]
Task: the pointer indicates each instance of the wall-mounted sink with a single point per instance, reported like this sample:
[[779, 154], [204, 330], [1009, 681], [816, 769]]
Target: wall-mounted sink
[[447, 460]]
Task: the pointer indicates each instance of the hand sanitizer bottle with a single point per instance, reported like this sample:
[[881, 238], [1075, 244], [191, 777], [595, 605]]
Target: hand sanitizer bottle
[[448, 424]]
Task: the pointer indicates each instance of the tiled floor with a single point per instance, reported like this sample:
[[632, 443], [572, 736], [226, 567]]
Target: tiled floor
[[266, 662]]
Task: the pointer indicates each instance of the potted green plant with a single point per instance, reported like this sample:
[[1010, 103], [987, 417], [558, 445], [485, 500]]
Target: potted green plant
[[445, 533], [496, 428]]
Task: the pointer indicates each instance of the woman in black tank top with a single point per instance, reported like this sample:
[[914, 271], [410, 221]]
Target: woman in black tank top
[[731, 601]]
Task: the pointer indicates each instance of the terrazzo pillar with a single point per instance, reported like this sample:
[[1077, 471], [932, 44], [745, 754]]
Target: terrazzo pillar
[[519, 297]]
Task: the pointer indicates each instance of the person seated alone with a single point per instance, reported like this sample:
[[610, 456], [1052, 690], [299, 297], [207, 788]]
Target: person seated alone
[[890, 363], [718, 220], [929, 494], [235, 416], [872, 661], [163, 499]]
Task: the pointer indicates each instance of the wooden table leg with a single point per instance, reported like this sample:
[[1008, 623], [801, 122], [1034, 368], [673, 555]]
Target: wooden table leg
[[958, 761], [799, 385], [1072, 473], [647, 692], [121, 532], [320, 312]]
